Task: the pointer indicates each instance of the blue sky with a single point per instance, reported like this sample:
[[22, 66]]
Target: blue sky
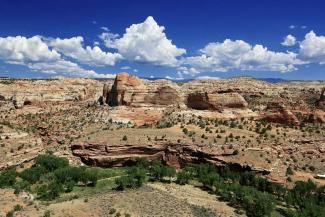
[[173, 39]]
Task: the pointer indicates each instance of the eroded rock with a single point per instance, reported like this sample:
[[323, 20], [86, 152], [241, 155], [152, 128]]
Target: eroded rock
[[129, 90], [278, 113], [215, 101]]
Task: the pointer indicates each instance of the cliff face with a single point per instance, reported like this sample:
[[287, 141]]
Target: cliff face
[[172, 154], [24, 92], [105, 155], [132, 91], [215, 101], [278, 113]]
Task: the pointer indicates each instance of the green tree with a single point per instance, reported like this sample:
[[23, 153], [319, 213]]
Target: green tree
[[51, 162], [183, 177], [8, 178]]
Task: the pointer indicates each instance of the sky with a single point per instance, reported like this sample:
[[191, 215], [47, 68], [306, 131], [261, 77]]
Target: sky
[[173, 39]]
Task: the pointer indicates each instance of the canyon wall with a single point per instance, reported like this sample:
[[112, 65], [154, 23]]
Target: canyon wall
[[274, 102]]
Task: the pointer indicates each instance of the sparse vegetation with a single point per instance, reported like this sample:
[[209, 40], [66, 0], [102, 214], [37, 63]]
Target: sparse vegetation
[[49, 176]]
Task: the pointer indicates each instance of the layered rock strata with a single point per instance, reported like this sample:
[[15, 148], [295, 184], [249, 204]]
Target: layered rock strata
[[172, 154]]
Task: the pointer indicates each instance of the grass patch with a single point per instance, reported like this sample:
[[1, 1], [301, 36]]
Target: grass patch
[[103, 173], [101, 186]]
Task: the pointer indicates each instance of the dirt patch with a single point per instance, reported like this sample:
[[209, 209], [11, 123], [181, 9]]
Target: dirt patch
[[304, 176]]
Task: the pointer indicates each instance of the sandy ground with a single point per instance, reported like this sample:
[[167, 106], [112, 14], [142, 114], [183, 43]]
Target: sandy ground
[[304, 176], [195, 196]]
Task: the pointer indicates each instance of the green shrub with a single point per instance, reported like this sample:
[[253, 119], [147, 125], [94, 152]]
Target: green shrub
[[33, 174], [135, 179], [112, 211], [50, 162], [47, 213], [159, 171], [49, 191], [10, 214], [8, 178], [289, 171], [20, 186], [17, 208], [183, 177]]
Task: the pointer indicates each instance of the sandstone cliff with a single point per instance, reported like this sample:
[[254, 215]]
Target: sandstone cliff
[[215, 101], [132, 91], [22, 92], [278, 113]]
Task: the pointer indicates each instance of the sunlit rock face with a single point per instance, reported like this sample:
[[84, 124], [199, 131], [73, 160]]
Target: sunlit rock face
[[278, 113], [27, 92], [131, 91], [215, 101]]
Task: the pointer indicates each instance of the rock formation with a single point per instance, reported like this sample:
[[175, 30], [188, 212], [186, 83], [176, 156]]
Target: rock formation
[[23, 92], [278, 113], [321, 101], [317, 116], [131, 91], [242, 94], [172, 154], [215, 101]]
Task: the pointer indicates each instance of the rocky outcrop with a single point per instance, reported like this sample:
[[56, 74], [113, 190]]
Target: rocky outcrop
[[172, 154], [105, 155], [215, 101], [317, 116], [222, 96], [129, 90], [321, 101], [278, 113], [24, 92]]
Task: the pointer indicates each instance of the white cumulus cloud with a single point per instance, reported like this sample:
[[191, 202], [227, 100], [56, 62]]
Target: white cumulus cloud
[[108, 38], [93, 56], [145, 42], [289, 40], [312, 48], [187, 70], [67, 68], [35, 54], [239, 55], [20, 49]]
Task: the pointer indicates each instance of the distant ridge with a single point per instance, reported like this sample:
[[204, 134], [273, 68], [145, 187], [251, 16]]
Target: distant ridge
[[273, 80], [270, 80]]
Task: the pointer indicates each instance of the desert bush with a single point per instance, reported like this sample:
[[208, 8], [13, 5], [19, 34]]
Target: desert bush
[[183, 177]]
